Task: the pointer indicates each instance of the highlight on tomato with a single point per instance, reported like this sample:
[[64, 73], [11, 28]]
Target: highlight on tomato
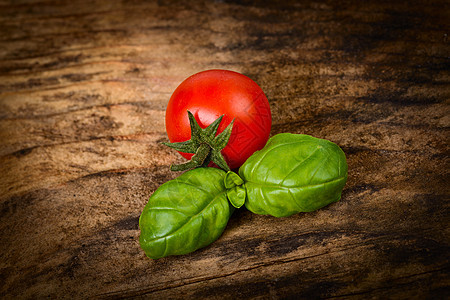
[[228, 114]]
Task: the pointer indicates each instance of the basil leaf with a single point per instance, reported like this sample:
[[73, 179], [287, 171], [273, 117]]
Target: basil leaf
[[236, 196], [232, 179], [293, 173], [185, 214], [235, 191]]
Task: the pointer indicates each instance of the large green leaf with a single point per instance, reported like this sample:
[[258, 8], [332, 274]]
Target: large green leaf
[[185, 214], [294, 173]]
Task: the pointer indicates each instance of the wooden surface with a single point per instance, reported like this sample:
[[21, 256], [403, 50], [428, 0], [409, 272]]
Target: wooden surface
[[83, 91]]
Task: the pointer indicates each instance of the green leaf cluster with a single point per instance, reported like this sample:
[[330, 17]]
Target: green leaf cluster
[[293, 173]]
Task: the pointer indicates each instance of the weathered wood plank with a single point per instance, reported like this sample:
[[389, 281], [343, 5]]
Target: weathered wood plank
[[83, 90]]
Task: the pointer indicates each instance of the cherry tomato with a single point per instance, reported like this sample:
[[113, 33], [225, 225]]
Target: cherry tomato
[[210, 94]]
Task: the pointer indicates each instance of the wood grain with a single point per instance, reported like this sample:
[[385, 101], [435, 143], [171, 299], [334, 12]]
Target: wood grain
[[83, 91]]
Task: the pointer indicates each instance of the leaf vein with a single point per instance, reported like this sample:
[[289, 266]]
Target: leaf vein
[[268, 151], [295, 187], [191, 218], [195, 186], [170, 209], [301, 163]]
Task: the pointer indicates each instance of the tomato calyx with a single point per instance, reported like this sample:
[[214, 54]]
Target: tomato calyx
[[205, 145]]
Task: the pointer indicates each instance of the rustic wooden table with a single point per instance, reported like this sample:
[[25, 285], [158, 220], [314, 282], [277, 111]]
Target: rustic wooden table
[[83, 91]]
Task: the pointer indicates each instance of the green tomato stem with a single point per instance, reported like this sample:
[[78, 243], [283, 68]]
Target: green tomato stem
[[197, 159], [205, 144]]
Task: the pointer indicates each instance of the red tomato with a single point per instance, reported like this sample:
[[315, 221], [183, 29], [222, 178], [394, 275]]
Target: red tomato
[[210, 94]]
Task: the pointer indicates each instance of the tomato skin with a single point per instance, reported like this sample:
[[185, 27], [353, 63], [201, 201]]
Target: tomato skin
[[212, 93]]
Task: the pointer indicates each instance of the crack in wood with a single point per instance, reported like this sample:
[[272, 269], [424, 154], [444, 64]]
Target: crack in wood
[[445, 270]]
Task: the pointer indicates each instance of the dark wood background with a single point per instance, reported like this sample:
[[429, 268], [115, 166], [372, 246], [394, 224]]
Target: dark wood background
[[83, 91]]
